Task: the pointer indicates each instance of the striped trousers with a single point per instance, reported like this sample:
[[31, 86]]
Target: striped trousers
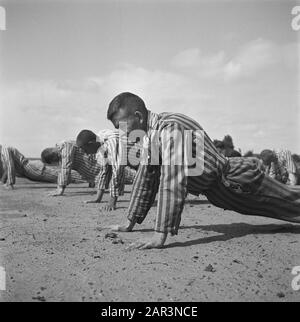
[[272, 199], [89, 169], [37, 171]]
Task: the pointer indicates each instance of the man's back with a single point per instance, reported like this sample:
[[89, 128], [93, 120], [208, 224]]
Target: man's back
[[195, 140]]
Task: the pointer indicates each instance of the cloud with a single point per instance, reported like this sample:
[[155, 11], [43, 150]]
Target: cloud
[[84, 85], [250, 59], [193, 60], [158, 87], [39, 113]]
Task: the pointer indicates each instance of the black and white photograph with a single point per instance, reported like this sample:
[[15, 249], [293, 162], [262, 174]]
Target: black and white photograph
[[150, 153]]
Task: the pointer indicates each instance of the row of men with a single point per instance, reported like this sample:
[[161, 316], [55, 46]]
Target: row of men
[[98, 163], [280, 164], [237, 184], [77, 166]]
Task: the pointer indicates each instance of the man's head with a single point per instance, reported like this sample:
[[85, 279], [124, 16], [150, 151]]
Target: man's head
[[228, 142], [50, 156], [267, 156], [86, 140], [220, 146], [130, 109]]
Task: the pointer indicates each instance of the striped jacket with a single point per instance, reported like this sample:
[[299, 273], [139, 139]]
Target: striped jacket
[[172, 180], [282, 167], [72, 157], [14, 163], [103, 167]]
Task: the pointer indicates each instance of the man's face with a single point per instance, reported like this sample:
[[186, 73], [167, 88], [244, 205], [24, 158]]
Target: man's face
[[271, 158], [128, 122], [55, 157], [90, 148], [267, 162]]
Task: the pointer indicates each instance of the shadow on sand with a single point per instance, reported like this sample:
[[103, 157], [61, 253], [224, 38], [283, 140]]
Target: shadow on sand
[[235, 230], [231, 231], [197, 202]]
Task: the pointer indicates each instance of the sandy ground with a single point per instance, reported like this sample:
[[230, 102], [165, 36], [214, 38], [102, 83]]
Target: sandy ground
[[54, 249]]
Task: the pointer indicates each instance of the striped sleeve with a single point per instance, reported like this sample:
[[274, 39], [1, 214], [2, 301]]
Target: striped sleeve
[[168, 179], [9, 165], [20, 159], [272, 170], [67, 156], [110, 158], [104, 172], [285, 158], [117, 179], [144, 190], [173, 180]]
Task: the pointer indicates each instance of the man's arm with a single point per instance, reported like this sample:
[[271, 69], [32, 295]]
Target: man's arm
[[110, 160], [173, 181], [101, 177], [117, 181], [144, 190], [292, 179], [291, 170], [272, 170], [9, 165], [67, 154], [172, 188]]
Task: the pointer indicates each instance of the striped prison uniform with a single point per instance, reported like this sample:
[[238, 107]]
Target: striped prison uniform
[[15, 164], [237, 184], [284, 168], [103, 167]]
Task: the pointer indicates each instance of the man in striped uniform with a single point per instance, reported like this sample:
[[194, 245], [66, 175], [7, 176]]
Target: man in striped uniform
[[280, 166], [14, 163], [109, 151], [237, 184], [68, 157], [89, 165]]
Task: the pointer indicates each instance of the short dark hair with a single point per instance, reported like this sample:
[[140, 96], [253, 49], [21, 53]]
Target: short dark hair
[[233, 154], [219, 144], [249, 154], [228, 143], [296, 158], [126, 100], [267, 155], [49, 156], [85, 137]]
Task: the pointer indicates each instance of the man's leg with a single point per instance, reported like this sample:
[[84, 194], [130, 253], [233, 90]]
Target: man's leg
[[292, 179], [1, 167], [129, 175], [4, 176], [108, 179], [272, 199], [37, 171]]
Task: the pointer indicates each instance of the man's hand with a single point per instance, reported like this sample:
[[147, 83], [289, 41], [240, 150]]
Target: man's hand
[[57, 192], [92, 201], [98, 197], [111, 205], [124, 228], [92, 184], [157, 241], [108, 207], [8, 186]]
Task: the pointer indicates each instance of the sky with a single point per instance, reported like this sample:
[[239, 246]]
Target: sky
[[231, 65]]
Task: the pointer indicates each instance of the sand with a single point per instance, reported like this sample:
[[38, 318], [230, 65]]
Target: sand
[[55, 249]]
